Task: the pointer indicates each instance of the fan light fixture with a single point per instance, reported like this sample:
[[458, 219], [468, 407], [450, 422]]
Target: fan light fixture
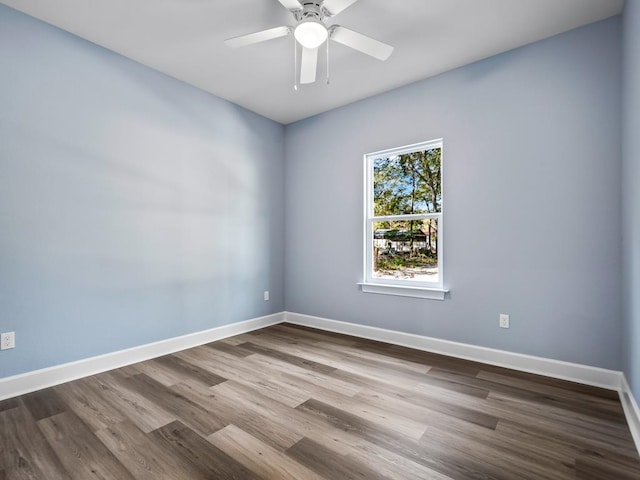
[[311, 33]]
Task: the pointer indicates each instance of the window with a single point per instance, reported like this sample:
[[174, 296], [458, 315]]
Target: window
[[403, 221]]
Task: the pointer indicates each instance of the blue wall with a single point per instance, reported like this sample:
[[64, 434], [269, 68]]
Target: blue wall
[[133, 207], [532, 201], [631, 191]]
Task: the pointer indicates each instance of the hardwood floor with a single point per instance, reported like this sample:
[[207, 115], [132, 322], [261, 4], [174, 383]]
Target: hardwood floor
[[288, 402]]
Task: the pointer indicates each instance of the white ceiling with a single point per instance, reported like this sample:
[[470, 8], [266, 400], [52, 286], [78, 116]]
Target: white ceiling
[[184, 39]]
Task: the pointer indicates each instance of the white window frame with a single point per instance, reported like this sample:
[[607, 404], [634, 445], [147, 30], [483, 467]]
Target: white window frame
[[401, 287]]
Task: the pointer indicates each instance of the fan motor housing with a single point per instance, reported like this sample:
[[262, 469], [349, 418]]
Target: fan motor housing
[[310, 10]]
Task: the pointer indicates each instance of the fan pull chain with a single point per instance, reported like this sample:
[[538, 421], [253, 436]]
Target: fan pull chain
[[295, 63]]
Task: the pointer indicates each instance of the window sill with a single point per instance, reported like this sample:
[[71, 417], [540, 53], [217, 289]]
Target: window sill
[[404, 291]]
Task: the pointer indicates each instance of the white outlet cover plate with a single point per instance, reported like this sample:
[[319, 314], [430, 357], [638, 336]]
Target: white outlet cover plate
[[7, 340], [504, 320]]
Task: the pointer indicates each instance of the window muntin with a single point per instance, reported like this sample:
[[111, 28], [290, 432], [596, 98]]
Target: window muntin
[[403, 221]]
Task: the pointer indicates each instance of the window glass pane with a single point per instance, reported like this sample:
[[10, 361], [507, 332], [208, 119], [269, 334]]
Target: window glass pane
[[408, 183], [406, 250]]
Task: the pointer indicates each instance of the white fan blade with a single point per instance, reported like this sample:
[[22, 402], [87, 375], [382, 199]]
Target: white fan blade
[[263, 36], [360, 42], [308, 65], [291, 4], [334, 7]]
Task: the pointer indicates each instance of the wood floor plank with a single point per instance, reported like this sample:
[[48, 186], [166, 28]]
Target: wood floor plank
[[412, 428], [432, 386], [345, 363], [9, 404], [387, 372], [298, 333], [144, 457], [170, 369], [279, 418], [566, 411], [128, 370], [351, 348], [237, 340], [259, 457], [157, 372], [395, 466], [184, 370], [550, 444], [289, 359], [322, 461], [580, 439], [464, 465], [259, 415], [293, 346], [307, 384], [135, 406], [44, 403], [433, 360], [390, 441], [589, 390], [83, 455], [186, 410], [374, 357], [606, 409], [235, 350], [24, 451], [530, 387], [524, 411], [89, 404], [229, 367], [591, 467], [279, 422], [504, 453], [210, 461], [417, 398], [424, 411], [298, 374]]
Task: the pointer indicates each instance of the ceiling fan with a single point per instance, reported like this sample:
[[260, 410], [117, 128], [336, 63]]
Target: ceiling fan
[[311, 33]]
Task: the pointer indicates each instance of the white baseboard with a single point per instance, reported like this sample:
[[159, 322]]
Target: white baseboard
[[631, 410], [574, 372], [48, 377]]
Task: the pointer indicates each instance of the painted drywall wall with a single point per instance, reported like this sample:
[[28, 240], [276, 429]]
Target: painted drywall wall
[[631, 191], [532, 222], [133, 207]]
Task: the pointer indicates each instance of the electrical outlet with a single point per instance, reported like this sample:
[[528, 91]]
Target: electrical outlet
[[504, 320], [266, 295], [7, 340]]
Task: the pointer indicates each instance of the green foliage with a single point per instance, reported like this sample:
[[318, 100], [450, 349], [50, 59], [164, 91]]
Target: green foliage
[[408, 183], [402, 261]]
